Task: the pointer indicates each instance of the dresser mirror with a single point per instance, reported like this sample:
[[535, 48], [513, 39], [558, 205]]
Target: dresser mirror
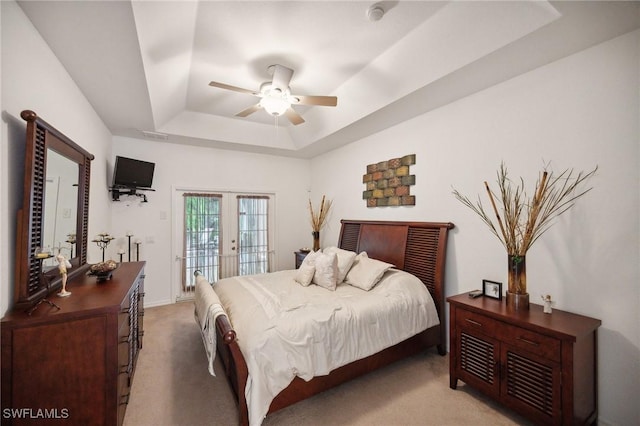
[[60, 207], [54, 214]]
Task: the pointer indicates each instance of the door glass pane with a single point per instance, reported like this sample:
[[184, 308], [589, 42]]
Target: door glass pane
[[202, 220], [253, 234]]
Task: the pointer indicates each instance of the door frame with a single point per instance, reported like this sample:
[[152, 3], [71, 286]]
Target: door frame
[[177, 225]]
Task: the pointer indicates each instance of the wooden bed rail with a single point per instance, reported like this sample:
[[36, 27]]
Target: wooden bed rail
[[234, 365], [224, 328]]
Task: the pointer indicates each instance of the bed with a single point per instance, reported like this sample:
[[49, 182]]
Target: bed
[[415, 252]]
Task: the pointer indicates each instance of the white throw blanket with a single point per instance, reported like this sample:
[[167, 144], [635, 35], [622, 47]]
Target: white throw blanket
[[286, 330], [207, 309]]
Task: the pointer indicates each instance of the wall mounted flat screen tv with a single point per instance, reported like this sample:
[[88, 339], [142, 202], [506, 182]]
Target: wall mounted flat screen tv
[[131, 173]]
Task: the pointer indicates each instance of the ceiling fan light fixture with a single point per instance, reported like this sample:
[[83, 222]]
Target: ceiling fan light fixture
[[274, 105]]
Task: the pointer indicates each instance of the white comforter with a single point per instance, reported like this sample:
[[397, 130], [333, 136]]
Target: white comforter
[[286, 330]]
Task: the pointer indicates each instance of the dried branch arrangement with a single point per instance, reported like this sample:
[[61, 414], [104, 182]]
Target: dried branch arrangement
[[521, 219], [318, 219]]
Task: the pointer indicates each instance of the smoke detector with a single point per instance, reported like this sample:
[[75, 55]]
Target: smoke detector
[[375, 13]]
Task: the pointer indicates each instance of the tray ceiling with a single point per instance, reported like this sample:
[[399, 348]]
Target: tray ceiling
[[145, 65]]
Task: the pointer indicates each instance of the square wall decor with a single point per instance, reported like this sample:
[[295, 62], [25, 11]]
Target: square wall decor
[[388, 183]]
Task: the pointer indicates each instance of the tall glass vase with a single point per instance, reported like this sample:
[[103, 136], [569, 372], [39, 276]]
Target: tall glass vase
[[316, 240], [517, 296]]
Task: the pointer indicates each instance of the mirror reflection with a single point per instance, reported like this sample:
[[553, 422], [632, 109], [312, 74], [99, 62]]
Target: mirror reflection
[[60, 207]]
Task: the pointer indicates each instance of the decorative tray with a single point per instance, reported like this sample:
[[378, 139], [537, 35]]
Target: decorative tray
[[103, 270]]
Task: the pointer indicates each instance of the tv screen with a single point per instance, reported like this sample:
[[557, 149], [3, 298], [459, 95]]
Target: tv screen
[[132, 173]]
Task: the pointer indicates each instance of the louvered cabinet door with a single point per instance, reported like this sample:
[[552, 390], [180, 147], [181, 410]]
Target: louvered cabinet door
[[478, 360], [531, 384]]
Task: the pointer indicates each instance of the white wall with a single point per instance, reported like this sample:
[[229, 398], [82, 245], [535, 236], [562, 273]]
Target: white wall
[[33, 78], [578, 112], [197, 168]]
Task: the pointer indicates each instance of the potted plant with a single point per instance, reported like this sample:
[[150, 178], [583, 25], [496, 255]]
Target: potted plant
[[521, 219]]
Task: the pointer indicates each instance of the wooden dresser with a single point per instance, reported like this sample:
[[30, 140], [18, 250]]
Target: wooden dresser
[[75, 365], [540, 365]]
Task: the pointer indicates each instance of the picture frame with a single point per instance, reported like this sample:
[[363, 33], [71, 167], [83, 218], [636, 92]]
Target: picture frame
[[492, 289]]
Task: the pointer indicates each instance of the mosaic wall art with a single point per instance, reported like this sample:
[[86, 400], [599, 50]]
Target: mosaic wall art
[[388, 183]]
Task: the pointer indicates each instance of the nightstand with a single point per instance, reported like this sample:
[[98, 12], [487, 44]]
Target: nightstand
[[300, 255], [540, 365]]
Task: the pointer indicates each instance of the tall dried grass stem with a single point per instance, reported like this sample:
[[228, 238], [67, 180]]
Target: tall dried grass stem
[[521, 219], [318, 218]]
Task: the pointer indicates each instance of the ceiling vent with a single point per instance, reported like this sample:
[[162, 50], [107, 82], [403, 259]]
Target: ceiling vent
[[155, 135]]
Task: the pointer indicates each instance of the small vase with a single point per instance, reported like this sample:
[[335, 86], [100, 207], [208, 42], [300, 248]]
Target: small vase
[[517, 301], [517, 296], [316, 240]]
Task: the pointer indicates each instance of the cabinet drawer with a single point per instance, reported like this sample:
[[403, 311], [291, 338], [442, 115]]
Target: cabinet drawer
[[538, 344], [480, 323]]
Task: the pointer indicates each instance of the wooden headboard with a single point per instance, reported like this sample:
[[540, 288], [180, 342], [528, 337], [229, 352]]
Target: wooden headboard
[[419, 248]]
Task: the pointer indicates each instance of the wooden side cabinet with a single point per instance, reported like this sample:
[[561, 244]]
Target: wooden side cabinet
[[300, 255], [542, 366], [75, 365]]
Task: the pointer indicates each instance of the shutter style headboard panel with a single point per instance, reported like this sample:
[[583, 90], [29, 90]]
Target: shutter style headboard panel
[[419, 248]]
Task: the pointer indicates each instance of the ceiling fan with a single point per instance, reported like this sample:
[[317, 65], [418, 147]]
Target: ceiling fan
[[276, 97]]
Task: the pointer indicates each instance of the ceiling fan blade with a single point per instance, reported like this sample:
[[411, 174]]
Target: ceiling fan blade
[[233, 88], [249, 110], [281, 77], [315, 100], [293, 117]]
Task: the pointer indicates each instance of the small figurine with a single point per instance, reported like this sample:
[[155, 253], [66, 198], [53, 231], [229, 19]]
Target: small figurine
[[547, 303], [63, 264]]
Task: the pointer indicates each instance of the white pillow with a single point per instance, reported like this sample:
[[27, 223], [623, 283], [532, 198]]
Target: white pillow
[[345, 260], [310, 258], [305, 273], [365, 273], [326, 274]]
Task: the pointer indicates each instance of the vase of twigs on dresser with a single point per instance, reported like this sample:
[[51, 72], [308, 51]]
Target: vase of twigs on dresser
[[318, 219], [521, 219]]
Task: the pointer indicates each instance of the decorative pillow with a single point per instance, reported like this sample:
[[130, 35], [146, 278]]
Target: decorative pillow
[[310, 258], [326, 274], [345, 260], [365, 272], [305, 273]]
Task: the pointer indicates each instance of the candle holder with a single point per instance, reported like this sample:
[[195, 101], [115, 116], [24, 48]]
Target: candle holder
[[129, 235], [103, 240], [137, 243]]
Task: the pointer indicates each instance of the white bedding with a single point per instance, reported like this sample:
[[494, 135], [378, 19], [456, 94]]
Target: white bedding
[[286, 330], [207, 309]]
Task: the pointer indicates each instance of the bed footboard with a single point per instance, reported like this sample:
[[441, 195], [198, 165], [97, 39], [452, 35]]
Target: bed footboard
[[235, 367]]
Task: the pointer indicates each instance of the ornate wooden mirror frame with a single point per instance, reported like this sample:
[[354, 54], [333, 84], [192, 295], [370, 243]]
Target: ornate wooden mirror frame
[[33, 282]]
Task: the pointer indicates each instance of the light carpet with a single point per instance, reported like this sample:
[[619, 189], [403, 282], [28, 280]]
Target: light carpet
[[173, 387]]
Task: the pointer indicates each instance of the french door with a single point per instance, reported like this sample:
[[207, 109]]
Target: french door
[[222, 234]]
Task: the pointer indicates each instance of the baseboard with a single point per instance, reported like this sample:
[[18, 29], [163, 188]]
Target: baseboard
[[158, 303]]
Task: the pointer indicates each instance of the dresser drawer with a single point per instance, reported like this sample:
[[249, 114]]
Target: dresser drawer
[[481, 323], [538, 344], [530, 341]]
